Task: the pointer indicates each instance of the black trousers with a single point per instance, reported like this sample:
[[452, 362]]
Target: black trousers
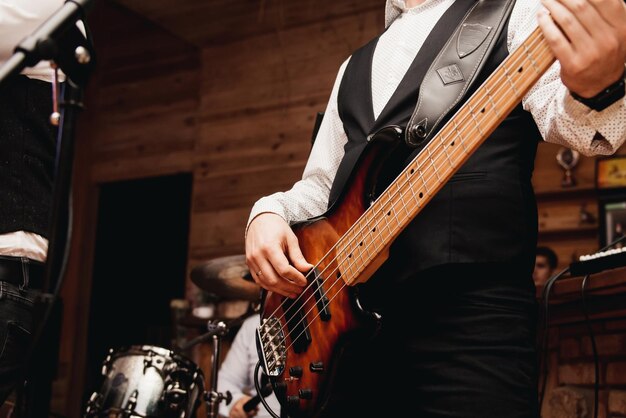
[[458, 341]]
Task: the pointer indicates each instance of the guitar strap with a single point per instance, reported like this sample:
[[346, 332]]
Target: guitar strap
[[456, 67]]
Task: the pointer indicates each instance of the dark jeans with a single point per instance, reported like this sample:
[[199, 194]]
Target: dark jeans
[[16, 326], [457, 342]]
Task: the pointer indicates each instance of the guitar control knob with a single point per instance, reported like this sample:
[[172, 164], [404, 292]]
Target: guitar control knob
[[295, 371], [317, 367], [305, 394]]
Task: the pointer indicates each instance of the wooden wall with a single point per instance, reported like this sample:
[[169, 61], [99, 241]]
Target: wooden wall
[[239, 116]]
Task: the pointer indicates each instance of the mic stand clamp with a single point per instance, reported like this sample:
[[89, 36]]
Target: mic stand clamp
[[217, 329]]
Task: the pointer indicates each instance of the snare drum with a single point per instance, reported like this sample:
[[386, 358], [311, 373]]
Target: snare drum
[[147, 381]]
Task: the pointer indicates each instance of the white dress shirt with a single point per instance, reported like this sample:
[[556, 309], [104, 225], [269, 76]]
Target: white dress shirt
[[560, 118], [236, 373]]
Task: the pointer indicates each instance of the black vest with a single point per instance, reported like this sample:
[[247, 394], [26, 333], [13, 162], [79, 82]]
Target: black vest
[[487, 211], [27, 150]]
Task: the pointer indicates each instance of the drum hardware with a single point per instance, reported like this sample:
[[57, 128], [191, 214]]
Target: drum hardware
[[217, 330], [147, 381], [227, 277]]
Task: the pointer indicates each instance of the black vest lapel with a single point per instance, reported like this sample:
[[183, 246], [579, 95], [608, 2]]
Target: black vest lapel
[[354, 84]]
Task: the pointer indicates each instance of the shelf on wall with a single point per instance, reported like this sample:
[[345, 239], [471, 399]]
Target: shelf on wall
[[566, 193]]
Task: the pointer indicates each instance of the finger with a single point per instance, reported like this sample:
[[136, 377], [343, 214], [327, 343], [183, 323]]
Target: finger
[[553, 35], [574, 15], [570, 16], [285, 270], [612, 11], [273, 281], [296, 257]]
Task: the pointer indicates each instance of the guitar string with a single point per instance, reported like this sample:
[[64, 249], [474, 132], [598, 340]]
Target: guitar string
[[479, 100], [391, 196], [401, 186]]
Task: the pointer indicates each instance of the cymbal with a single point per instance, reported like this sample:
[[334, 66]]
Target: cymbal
[[226, 277]]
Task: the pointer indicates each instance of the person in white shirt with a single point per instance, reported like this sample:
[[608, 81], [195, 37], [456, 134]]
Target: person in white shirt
[[236, 374], [456, 291], [27, 155]]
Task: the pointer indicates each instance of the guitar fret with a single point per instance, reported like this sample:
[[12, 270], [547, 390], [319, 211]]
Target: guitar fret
[[406, 210], [385, 217], [508, 78], [474, 119], [458, 136], [359, 243], [493, 105], [421, 176], [445, 148], [412, 188], [395, 215], [531, 59], [400, 197], [432, 164]]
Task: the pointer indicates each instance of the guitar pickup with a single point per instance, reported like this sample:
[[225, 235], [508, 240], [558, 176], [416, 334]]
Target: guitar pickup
[[297, 325], [320, 296]]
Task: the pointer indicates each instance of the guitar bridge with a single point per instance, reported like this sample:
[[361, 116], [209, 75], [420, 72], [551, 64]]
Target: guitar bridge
[[271, 347]]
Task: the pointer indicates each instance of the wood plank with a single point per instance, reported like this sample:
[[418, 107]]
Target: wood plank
[[279, 136], [217, 233], [567, 214], [280, 68], [240, 189]]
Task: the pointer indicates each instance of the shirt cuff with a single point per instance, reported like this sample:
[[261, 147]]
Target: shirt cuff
[[603, 136], [265, 205]]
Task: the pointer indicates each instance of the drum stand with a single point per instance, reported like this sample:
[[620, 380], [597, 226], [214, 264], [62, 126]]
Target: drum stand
[[217, 330], [213, 398]]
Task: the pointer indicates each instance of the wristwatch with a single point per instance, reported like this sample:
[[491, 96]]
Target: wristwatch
[[606, 97]]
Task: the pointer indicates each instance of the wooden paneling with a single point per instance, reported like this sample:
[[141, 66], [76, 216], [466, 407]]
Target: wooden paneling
[[282, 68]]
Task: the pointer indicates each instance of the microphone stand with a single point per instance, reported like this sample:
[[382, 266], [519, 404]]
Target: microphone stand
[[217, 330], [58, 40]]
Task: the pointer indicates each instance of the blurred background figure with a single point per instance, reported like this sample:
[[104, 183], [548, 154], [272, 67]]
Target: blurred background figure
[[236, 375], [546, 261]]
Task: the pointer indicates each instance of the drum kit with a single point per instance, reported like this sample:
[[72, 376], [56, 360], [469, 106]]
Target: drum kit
[[156, 382]]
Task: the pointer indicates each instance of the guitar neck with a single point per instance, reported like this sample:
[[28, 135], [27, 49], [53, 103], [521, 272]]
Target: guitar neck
[[419, 182]]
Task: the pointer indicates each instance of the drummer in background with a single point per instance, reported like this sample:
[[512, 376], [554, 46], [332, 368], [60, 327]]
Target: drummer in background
[[236, 374]]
